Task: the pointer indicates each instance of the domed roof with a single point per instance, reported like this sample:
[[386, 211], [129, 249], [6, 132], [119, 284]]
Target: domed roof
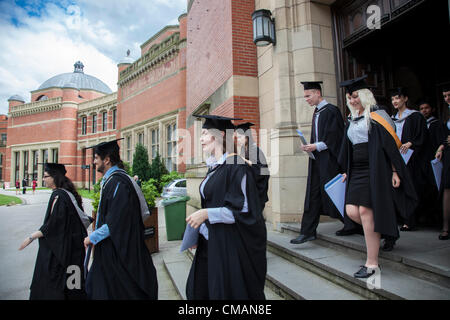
[[16, 97], [78, 79]]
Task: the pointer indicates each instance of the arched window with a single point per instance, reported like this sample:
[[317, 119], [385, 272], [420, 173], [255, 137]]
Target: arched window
[[42, 98]]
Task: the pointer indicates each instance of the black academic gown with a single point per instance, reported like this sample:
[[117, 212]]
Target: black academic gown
[[445, 181], [415, 131], [330, 131], [386, 200], [60, 247], [122, 268], [261, 173], [232, 264]]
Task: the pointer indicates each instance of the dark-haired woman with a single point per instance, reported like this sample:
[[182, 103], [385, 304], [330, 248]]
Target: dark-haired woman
[[250, 151], [58, 273]]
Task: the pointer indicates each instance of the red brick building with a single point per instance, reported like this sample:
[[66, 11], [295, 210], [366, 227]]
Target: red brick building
[[72, 111], [3, 137]]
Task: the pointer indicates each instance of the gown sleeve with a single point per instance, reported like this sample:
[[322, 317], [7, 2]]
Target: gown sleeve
[[54, 230]]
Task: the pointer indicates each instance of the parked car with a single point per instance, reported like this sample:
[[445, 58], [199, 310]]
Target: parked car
[[175, 188]]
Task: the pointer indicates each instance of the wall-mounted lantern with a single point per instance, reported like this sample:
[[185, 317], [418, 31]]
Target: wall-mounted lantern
[[263, 28]]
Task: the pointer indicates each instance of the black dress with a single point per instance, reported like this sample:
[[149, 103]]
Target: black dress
[[60, 247], [231, 264]]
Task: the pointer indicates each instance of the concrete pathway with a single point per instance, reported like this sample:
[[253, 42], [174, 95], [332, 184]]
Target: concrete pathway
[[19, 221]]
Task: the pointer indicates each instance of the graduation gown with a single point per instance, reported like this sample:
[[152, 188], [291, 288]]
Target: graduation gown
[[330, 130], [415, 131], [445, 181], [122, 267], [261, 173], [60, 247], [232, 262], [386, 200]]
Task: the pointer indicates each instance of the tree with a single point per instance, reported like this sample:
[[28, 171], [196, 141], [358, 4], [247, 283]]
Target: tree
[[141, 166], [158, 169]]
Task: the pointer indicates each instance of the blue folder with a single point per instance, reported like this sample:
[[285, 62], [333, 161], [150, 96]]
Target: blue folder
[[190, 238], [335, 189], [437, 170], [407, 155]]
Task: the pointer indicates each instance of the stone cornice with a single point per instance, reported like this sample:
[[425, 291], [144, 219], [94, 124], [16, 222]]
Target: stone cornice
[[36, 107], [160, 32], [157, 54], [107, 102], [169, 116]]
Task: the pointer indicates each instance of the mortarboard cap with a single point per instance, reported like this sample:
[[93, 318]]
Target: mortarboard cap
[[398, 91], [244, 126], [311, 85], [217, 122], [355, 84], [55, 167], [106, 147], [444, 87]]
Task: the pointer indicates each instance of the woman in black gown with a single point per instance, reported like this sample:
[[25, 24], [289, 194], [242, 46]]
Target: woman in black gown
[[230, 259], [377, 178], [443, 155], [58, 273]]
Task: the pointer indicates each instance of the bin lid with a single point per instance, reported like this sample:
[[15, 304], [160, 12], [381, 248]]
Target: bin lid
[[173, 200]]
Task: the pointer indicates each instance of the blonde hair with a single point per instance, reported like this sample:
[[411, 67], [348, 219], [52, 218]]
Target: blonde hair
[[367, 101]]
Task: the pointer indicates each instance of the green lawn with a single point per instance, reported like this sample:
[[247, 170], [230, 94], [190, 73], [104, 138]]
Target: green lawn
[[86, 194], [4, 200]]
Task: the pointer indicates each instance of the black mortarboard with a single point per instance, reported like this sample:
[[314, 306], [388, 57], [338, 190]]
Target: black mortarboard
[[106, 147], [55, 167], [311, 85], [445, 87], [244, 126], [398, 91], [355, 84], [217, 122]]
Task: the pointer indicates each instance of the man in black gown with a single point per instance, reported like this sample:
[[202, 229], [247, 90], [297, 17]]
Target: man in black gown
[[326, 137], [122, 267]]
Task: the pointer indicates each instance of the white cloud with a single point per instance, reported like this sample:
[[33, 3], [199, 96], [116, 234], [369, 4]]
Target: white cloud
[[39, 46]]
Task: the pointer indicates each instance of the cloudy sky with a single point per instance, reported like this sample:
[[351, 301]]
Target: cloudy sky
[[40, 39]]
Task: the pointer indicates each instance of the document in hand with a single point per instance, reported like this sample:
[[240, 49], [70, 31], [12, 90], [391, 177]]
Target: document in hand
[[190, 238], [302, 138], [87, 258], [335, 189], [407, 155], [437, 170]]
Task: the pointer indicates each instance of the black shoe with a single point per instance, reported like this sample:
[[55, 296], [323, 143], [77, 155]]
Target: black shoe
[[302, 238], [349, 232], [364, 272], [388, 245], [442, 237]]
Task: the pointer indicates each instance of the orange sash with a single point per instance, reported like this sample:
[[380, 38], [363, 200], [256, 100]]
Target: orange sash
[[375, 116]]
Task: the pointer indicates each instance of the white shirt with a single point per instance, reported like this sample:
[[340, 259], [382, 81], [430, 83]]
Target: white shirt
[[400, 122], [320, 145]]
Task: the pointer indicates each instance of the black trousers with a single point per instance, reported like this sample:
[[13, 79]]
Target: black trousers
[[311, 217]]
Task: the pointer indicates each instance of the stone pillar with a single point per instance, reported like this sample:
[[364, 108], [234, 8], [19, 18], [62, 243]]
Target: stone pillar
[[303, 52]]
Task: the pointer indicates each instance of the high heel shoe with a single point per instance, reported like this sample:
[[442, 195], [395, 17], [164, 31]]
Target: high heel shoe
[[442, 237]]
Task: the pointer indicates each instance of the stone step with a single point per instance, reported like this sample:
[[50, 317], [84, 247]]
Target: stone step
[[338, 267], [419, 253], [178, 265], [294, 282]]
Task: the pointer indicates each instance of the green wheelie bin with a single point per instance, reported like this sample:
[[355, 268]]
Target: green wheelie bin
[[175, 215]]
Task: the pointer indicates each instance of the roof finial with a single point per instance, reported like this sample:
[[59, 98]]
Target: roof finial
[[78, 67]]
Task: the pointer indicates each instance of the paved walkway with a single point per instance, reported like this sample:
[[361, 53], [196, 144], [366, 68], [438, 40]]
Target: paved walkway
[[19, 221]]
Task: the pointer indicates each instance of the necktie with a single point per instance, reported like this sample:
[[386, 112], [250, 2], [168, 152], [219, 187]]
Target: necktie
[[313, 133]]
